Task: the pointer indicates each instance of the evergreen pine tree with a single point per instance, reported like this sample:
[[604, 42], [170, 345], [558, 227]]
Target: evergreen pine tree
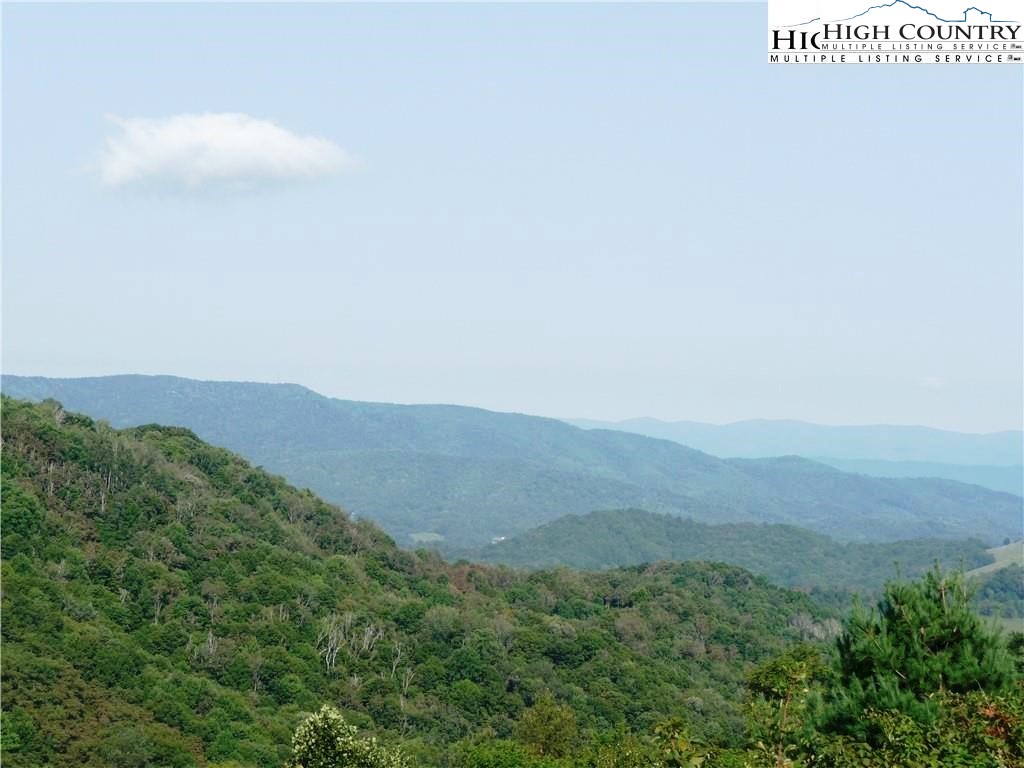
[[922, 640]]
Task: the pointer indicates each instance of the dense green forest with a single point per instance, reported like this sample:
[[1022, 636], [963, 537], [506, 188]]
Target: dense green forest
[[1001, 593], [614, 538], [918, 681], [168, 604], [462, 476]]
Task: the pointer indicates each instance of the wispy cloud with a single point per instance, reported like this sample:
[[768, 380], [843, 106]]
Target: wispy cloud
[[213, 150]]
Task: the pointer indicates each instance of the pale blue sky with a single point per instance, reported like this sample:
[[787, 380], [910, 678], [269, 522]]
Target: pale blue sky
[[578, 210]]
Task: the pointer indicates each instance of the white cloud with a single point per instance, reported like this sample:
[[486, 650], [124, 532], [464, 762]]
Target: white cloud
[[213, 150]]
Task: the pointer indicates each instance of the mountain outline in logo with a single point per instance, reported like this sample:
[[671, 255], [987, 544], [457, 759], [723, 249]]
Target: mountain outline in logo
[[910, 6]]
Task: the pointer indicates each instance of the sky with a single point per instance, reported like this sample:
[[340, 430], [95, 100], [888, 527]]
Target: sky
[[599, 211]]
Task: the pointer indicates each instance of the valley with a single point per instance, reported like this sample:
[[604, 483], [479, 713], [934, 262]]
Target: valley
[[470, 476]]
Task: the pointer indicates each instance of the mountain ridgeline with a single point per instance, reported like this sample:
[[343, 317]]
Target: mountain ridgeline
[[167, 604], [784, 554], [464, 476], [1008, 478], [994, 460], [760, 438]]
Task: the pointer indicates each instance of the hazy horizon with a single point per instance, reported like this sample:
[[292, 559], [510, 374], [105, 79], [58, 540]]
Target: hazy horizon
[[548, 209], [562, 417]]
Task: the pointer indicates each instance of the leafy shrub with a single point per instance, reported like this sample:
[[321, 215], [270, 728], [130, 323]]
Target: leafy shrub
[[325, 740]]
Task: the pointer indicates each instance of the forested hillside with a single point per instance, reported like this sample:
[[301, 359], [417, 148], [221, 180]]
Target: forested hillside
[[1001, 594], [993, 460], [918, 680], [784, 554], [463, 476], [167, 604]]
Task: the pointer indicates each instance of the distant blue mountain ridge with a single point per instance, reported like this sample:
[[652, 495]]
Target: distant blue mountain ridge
[[758, 438], [463, 476]]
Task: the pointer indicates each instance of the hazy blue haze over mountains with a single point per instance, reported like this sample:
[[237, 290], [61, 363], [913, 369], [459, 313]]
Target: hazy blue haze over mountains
[[1009, 478], [994, 460], [470, 474], [764, 437]]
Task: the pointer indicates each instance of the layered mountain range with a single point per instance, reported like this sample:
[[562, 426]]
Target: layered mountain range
[[462, 477]]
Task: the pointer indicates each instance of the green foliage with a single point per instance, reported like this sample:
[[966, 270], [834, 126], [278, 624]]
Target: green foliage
[[919, 683], [134, 746], [1015, 644], [975, 730], [548, 729], [1001, 593], [802, 713], [780, 696], [675, 747], [922, 640], [499, 753], [22, 514]]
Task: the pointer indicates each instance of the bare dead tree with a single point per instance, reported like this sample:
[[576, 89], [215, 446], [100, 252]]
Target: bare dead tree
[[396, 657], [702, 627], [296, 511], [504, 630], [162, 592], [184, 509], [255, 667], [348, 620], [213, 591], [210, 648], [371, 634], [158, 604], [330, 639], [206, 651]]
